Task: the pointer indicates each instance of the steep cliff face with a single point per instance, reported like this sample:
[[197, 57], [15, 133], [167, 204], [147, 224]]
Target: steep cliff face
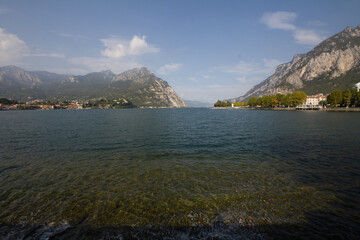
[[139, 85], [330, 60]]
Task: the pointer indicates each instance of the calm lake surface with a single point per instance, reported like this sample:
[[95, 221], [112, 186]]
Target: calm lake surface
[[179, 173]]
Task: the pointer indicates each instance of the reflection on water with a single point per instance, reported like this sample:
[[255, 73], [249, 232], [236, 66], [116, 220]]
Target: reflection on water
[[197, 173]]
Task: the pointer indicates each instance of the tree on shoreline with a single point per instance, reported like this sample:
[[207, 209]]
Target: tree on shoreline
[[6, 101], [279, 100], [335, 98], [222, 104], [346, 101], [344, 98]]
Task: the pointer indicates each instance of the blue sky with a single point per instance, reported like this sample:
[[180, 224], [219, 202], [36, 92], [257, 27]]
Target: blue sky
[[206, 50]]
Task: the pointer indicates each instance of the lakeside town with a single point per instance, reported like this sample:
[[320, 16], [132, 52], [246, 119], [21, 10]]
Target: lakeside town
[[39, 104], [298, 100]]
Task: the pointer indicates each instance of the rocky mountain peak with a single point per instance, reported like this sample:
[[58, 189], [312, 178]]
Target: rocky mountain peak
[[143, 71], [331, 60], [348, 29], [352, 30], [107, 72], [134, 74]]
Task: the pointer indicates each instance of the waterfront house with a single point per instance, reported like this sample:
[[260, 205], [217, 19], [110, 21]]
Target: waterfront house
[[315, 99], [312, 102], [357, 86]]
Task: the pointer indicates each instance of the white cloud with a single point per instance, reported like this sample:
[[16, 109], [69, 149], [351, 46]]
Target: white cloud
[[309, 37], [117, 55], [271, 64], [193, 79], [116, 48], [279, 20], [241, 79], [139, 46], [243, 68], [11, 48], [100, 64], [168, 68], [284, 21], [70, 35], [247, 74], [249, 69]]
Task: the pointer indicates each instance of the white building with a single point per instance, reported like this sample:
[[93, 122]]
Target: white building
[[357, 86], [315, 99]]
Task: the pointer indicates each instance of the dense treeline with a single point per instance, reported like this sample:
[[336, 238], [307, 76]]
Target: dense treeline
[[336, 98], [222, 104], [6, 101], [279, 100], [344, 98], [240, 104]]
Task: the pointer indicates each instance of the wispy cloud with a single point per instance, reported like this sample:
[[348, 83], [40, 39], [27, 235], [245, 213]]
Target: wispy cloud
[[241, 79], [70, 35], [169, 68], [116, 48], [12, 48], [284, 21], [279, 20], [309, 37], [243, 68], [99, 64], [250, 73], [206, 76]]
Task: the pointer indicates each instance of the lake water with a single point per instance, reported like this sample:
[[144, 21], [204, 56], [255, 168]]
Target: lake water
[[179, 173]]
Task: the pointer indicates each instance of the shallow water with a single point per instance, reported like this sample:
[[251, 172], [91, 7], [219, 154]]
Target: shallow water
[[179, 173]]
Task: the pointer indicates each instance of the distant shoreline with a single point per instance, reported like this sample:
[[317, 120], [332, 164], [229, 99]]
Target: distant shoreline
[[328, 109]]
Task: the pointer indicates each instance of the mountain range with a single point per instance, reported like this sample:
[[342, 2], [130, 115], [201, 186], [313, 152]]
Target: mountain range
[[139, 85], [332, 64]]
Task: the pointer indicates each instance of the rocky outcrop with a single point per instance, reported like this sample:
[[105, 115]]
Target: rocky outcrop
[[330, 59], [152, 91]]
